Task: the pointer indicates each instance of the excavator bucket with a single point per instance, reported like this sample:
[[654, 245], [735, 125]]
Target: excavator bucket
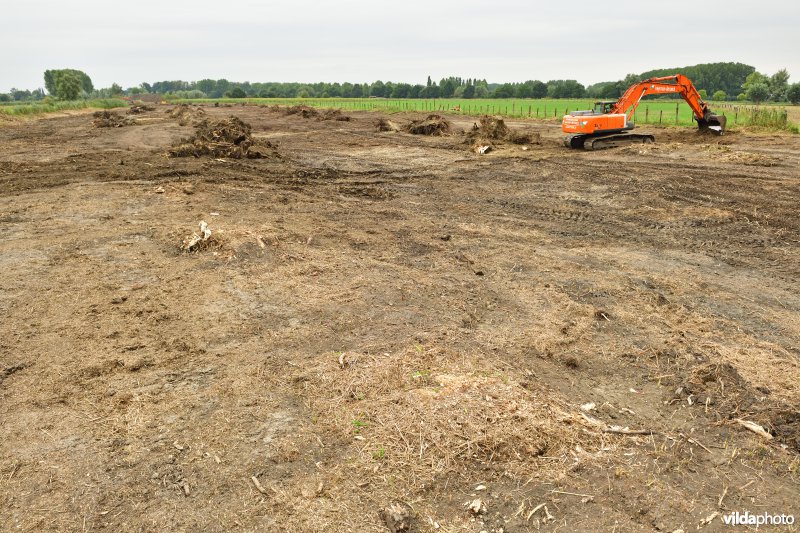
[[715, 123]]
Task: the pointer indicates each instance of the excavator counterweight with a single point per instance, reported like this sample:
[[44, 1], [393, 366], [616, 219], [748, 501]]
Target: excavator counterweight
[[609, 123]]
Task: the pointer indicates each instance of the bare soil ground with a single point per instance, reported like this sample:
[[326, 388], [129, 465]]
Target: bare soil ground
[[531, 339]]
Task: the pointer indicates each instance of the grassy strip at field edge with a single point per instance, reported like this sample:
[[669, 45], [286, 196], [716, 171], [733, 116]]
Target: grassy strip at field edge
[[50, 107], [666, 112]]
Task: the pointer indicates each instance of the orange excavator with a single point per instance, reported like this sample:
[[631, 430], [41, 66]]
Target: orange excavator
[[608, 124]]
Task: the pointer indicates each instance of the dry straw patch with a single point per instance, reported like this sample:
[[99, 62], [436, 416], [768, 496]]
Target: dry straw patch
[[428, 414]]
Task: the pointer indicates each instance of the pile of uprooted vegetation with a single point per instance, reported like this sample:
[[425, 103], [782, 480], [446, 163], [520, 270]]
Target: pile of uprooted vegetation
[[223, 138], [490, 131], [187, 114], [138, 109], [384, 124], [432, 125], [309, 112], [108, 119]]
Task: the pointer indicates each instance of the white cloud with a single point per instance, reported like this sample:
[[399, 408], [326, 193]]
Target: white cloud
[[356, 40]]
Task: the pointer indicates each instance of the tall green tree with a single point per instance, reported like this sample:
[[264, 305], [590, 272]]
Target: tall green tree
[[758, 92], [793, 93], [68, 85], [50, 79], [778, 85]]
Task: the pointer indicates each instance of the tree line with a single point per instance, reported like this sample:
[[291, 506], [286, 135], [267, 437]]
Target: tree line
[[720, 81]]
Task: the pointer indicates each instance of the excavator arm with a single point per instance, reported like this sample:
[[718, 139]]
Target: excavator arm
[[609, 124], [677, 84]]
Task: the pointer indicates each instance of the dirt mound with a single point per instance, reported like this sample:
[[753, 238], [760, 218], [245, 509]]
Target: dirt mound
[[721, 391], [489, 130], [109, 119], [310, 112], [491, 127], [385, 124], [334, 114], [303, 110], [433, 124], [187, 114], [224, 138], [138, 109]]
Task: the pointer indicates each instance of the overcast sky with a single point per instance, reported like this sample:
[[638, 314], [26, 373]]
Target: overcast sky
[[360, 41]]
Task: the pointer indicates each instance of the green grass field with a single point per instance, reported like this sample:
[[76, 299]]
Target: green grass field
[[666, 112], [35, 108]]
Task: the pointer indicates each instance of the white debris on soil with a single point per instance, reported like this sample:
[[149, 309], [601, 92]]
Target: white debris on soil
[[191, 243], [477, 506], [397, 517]]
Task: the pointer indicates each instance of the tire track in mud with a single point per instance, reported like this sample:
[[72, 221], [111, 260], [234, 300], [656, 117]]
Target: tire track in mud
[[730, 240]]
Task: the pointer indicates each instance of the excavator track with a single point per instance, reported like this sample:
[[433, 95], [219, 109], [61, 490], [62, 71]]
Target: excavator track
[[592, 142]]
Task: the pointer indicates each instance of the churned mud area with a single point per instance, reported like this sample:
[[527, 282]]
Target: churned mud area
[[390, 332]]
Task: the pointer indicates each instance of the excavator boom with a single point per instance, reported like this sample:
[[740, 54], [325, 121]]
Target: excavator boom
[[610, 120]]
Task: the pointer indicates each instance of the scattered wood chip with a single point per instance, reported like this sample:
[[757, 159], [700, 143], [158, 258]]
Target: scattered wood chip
[[755, 428], [477, 506], [588, 406], [724, 492], [533, 511], [259, 487], [707, 520], [627, 431], [396, 516]]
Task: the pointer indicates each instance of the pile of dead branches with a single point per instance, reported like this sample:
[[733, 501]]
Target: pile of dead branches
[[433, 124], [384, 124], [108, 119], [231, 138], [187, 114], [490, 131], [138, 109]]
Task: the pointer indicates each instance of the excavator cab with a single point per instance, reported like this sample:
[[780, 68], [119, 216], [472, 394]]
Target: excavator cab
[[604, 107]]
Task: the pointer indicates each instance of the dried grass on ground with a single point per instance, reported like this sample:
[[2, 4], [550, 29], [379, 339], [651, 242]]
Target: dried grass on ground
[[425, 415]]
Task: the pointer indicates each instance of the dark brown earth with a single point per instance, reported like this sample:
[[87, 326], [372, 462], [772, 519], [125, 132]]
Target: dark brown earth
[[389, 327]]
